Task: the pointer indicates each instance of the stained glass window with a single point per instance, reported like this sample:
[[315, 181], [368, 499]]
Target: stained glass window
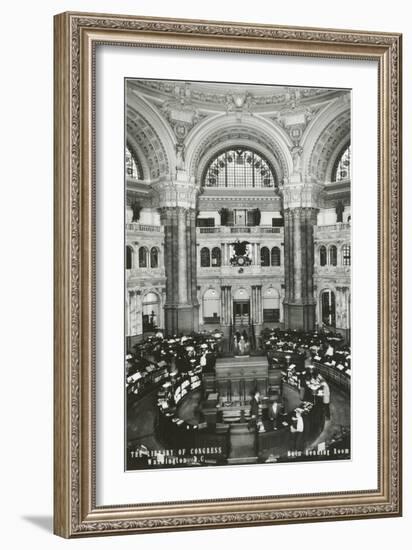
[[342, 169], [133, 167], [239, 168]]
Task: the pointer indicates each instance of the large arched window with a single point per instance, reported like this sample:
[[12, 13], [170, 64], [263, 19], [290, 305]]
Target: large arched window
[[216, 257], [239, 168], [204, 257], [133, 166], [342, 166], [264, 256], [333, 255], [129, 257], [322, 255], [275, 256], [154, 257], [346, 254], [143, 253]]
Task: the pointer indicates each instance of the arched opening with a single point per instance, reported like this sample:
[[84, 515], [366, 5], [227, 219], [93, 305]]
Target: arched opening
[[275, 256], [143, 254], [151, 312], [271, 306], [341, 170], [133, 167], [346, 254], [154, 257], [216, 257], [328, 305], [211, 306], [264, 256], [333, 255], [239, 167], [204, 257], [322, 255], [129, 257]]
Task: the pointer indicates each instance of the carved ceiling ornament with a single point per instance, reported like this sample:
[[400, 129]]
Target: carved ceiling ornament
[[230, 97]]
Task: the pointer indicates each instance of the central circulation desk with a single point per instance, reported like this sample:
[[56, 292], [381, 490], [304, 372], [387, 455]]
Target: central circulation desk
[[236, 378]]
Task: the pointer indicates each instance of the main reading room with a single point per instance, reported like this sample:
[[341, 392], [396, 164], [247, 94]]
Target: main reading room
[[237, 274]]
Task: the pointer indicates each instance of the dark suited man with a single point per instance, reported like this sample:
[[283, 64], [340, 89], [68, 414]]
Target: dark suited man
[[254, 410], [275, 411]]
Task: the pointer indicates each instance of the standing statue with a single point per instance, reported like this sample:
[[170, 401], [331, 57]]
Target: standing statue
[[136, 208], [180, 156], [297, 159], [339, 211]]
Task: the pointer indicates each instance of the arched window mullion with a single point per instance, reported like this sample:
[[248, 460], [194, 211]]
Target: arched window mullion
[[341, 169], [239, 168]]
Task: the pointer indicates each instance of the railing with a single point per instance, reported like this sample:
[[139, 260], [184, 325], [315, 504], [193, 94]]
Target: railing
[[334, 227], [270, 229], [143, 227], [239, 229], [230, 229], [209, 229]]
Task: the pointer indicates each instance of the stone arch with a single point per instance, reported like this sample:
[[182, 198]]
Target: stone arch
[[222, 131], [137, 152], [323, 140], [335, 158], [150, 136], [241, 293]]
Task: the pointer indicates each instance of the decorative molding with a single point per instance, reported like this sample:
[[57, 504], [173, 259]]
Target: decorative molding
[[174, 194], [302, 195]]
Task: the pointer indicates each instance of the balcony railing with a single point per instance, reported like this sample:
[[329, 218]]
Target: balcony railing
[[209, 229], [143, 227], [240, 229], [224, 229], [334, 227]]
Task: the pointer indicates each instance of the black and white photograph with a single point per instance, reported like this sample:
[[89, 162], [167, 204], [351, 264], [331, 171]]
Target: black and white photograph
[[237, 274]]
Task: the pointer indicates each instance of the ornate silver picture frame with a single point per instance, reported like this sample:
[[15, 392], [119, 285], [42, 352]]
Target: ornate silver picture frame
[[77, 36]]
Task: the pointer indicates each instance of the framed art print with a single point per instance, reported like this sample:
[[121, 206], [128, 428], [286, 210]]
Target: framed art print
[[227, 274]]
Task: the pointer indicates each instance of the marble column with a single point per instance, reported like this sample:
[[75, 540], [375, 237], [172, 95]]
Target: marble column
[[169, 222], [300, 216], [222, 305], [259, 305], [182, 255]]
